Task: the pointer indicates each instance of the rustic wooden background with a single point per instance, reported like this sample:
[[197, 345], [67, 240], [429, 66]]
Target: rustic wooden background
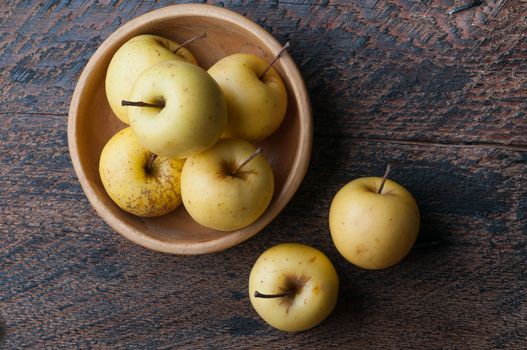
[[443, 98]]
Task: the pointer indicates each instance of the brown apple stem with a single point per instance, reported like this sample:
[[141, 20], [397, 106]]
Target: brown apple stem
[[271, 296], [384, 178], [151, 162], [191, 40], [242, 164], [142, 104], [280, 53]]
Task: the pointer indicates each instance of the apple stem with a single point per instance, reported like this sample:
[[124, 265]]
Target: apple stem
[[142, 104], [242, 164], [185, 43], [384, 178], [280, 53], [151, 162], [270, 296]]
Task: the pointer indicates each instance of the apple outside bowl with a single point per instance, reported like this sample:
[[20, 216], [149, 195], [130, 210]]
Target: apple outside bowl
[[91, 123]]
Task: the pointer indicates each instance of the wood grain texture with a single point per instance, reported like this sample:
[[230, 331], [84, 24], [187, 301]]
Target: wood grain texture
[[442, 98]]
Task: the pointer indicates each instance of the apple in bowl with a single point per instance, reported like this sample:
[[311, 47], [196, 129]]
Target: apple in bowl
[[131, 59], [228, 186], [176, 109], [137, 181]]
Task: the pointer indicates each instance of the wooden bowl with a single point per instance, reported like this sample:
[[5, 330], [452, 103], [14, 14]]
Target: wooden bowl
[[91, 123]]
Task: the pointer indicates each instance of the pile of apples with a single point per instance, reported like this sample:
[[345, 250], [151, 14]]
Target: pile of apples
[[189, 141], [190, 132]]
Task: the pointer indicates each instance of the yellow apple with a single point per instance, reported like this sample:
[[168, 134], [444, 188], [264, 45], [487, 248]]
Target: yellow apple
[[221, 190], [136, 181], [131, 59], [192, 113], [293, 287], [370, 229], [256, 105]]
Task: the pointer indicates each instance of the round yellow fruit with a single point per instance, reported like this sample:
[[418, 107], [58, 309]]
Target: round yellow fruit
[[193, 116], [256, 106], [373, 230], [133, 185], [131, 59], [293, 287], [220, 199]]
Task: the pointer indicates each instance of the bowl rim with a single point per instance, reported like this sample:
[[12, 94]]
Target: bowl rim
[[299, 166]]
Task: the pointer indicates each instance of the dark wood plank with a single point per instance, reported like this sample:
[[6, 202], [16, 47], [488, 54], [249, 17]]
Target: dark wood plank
[[442, 98], [394, 69]]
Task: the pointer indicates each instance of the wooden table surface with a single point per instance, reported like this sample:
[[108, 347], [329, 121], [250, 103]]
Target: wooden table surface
[[442, 98]]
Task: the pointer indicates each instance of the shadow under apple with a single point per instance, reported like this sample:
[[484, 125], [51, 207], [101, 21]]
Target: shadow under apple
[[3, 332]]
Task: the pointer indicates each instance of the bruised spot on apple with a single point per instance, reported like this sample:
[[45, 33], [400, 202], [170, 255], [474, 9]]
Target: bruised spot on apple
[[228, 186], [137, 181], [131, 59], [291, 296]]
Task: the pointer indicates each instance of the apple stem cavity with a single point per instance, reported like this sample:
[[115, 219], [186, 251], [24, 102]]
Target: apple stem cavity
[[191, 40], [384, 178], [150, 163], [257, 294], [242, 164], [280, 53], [160, 104]]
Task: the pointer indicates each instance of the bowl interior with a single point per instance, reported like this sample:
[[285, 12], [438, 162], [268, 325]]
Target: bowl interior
[[94, 124]]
